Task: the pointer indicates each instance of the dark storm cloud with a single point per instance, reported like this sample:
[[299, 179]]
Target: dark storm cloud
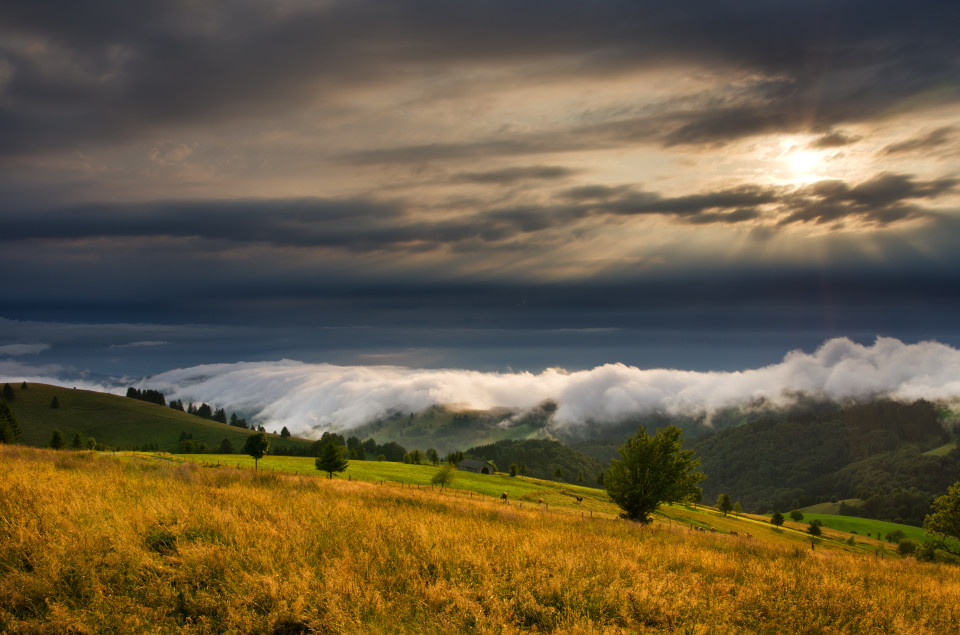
[[884, 199], [99, 71], [834, 139], [934, 139], [362, 226]]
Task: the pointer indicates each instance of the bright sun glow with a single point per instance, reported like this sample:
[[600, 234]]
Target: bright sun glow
[[803, 162]]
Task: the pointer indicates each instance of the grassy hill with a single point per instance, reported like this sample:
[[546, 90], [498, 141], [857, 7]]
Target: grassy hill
[[97, 543], [116, 421]]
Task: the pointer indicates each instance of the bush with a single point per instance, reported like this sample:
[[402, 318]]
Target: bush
[[906, 547], [796, 515]]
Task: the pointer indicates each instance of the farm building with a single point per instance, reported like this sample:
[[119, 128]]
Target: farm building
[[480, 467]]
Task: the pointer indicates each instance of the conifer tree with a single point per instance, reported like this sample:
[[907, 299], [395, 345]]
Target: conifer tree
[[54, 403], [8, 392], [77, 443], [332, 459], [56, 440]]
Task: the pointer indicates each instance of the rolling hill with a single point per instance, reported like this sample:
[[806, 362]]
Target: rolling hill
[[118, 422]]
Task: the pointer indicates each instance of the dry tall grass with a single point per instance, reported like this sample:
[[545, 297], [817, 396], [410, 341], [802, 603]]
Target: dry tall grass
[[91, 544]]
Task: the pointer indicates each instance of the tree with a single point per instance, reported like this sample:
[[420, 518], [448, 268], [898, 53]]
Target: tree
[[814, 529], [513, 469], [558, 473], [580, 476], [522, 469], [777, 519], [433, 456], [284, 433], [56, 440], [220, 415], [9, 426], [454, 458], [256, 446], [204, 410], [8, 393], [23, 386], [333, 458], [54, 403], [226, 447], [91, 443], [943, 521], [444, 476], [796, 515], [724, 504], [737, 509], [651, 471], [77, 443]]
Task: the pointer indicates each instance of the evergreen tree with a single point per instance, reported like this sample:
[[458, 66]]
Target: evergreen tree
[[580, 476], [23, 386], [454, 458], [558, 473], [56, 440], [220, 415], [284, 433], [523, 469], [204, 411], [54, 403], [9, 426], [256, 446], [332, 459], [226, 447], [77, 443], [91, 443], [8, 392], [433, 456], [513, 469]]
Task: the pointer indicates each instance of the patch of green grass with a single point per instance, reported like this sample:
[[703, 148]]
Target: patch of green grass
[[863, 526], [943, 450]]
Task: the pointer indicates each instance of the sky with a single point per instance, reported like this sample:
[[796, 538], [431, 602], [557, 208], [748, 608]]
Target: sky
[[489, 186]]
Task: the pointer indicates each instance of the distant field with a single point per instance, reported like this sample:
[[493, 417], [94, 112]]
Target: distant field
[[863, 526], [943, 450], [116, 420], [518, 488]]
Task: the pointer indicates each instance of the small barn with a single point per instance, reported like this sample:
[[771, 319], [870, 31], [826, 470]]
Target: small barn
[[473, 465]]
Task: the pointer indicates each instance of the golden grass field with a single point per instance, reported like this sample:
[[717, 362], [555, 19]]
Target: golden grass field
[[95, 544]]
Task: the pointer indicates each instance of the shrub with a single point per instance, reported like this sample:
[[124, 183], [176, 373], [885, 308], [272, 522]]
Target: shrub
[[796, 515], [906, 547]]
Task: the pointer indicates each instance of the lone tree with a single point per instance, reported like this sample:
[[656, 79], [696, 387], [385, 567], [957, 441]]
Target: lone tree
[[776, 519], [333, 458], [54, 403], [943, 521], [796, 515], [256, 446], [814, 529], [444, 476], [284, 433], [56, 440], [8, 393], [651, 471], [724, 504]]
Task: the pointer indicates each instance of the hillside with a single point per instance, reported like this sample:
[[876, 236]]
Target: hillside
[[874, 451], [541, 458], [117, 422], [98, 543]]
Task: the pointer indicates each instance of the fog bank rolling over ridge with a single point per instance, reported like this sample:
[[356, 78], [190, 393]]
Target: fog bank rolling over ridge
[[339, 398]]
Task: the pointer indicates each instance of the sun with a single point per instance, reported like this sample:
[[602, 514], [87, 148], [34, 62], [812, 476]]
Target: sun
[[803, 162]]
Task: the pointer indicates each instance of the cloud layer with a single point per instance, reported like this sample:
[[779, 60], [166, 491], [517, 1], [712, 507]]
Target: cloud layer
[[302, 396]]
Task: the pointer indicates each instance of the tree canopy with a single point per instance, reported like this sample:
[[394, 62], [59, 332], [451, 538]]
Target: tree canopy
[[256, 446], [943, 521], [651, 471]]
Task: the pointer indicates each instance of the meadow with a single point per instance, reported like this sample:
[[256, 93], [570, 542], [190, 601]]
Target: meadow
[[93, 543]]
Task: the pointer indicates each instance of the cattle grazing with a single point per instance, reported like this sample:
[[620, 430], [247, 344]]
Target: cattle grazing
[[579, 499]]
